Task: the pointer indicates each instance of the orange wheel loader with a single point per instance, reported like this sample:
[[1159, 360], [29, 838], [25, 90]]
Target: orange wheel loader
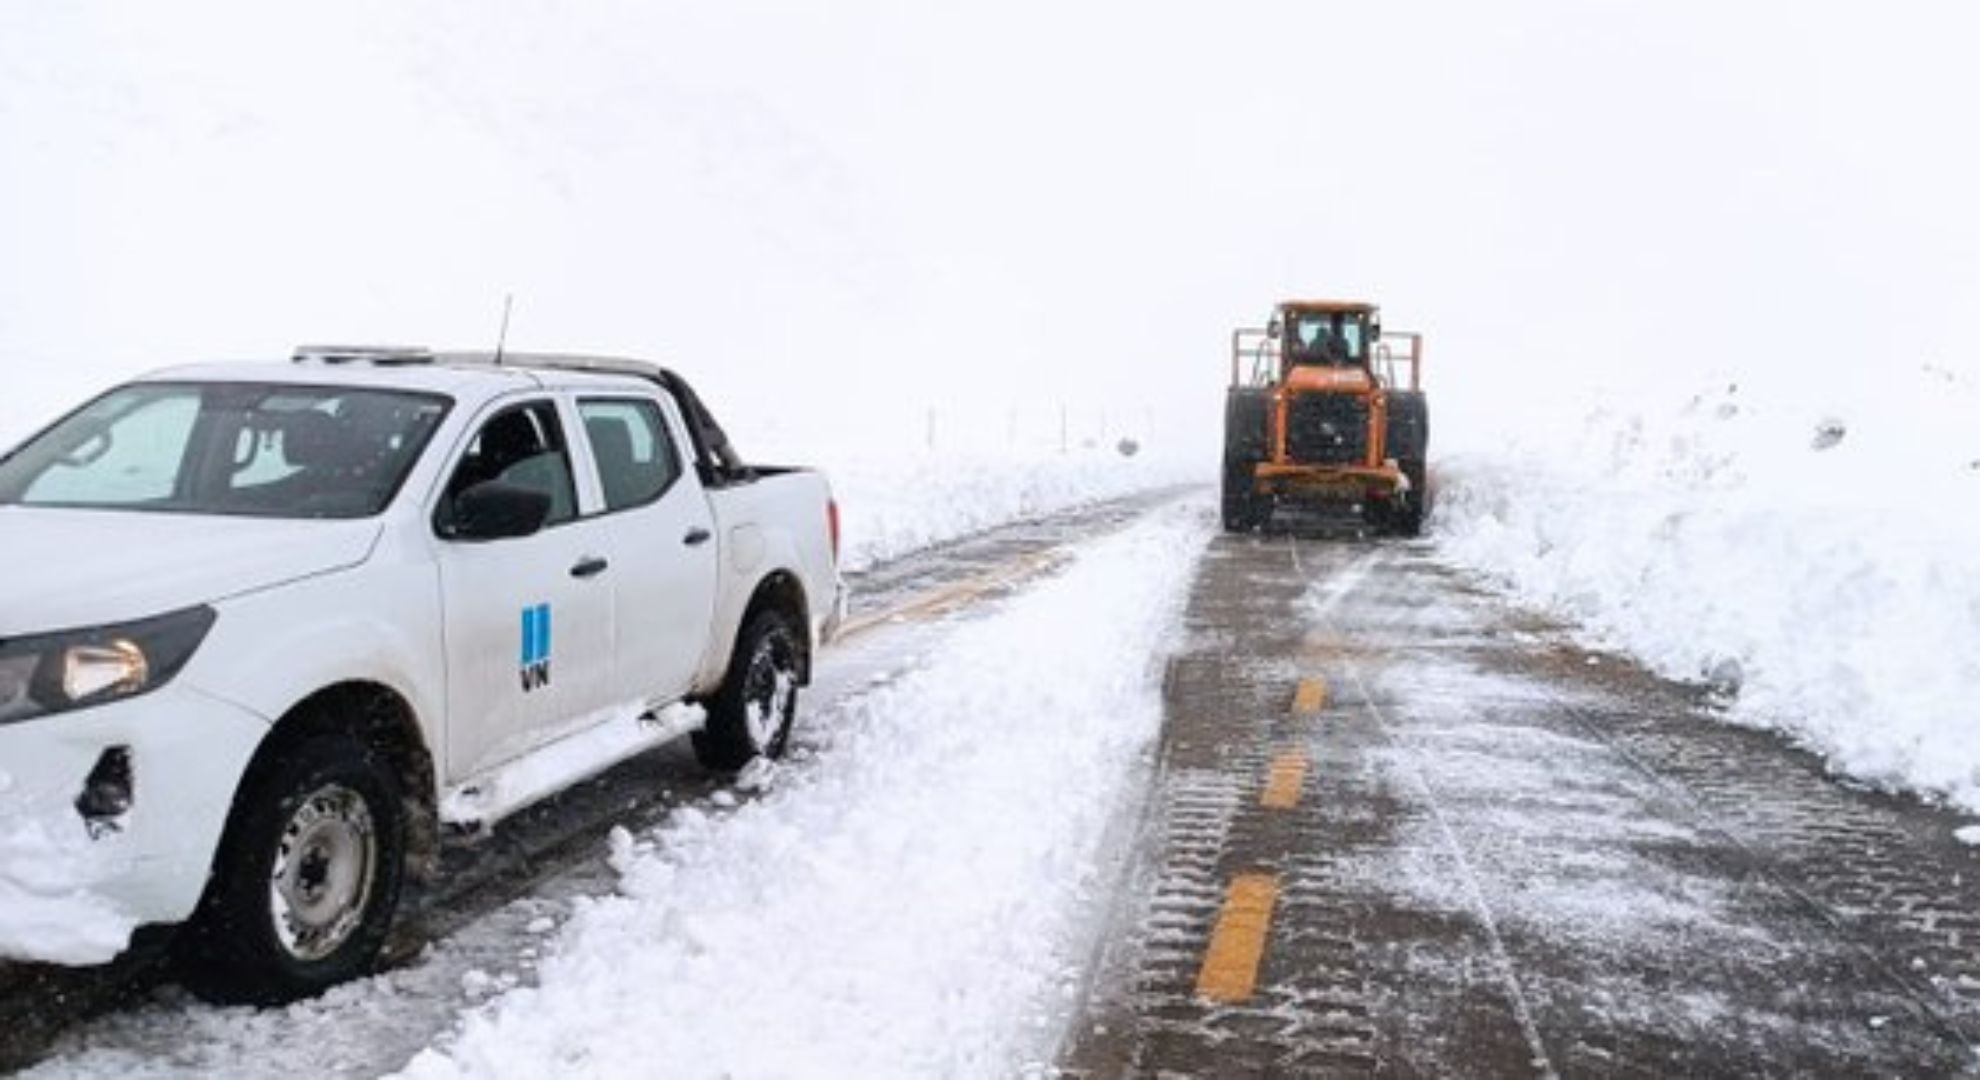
[[1326, 408]]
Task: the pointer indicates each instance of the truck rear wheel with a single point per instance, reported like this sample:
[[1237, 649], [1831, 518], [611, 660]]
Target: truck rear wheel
[[750, 716], [307, 879]]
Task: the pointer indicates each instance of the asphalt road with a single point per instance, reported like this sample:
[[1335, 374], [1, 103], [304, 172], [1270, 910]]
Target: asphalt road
[[1400, 829]]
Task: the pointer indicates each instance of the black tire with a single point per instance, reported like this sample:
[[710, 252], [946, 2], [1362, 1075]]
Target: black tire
[[1246, 413], [1247, 421], [307, 879], [1406, 518], [751, 715], [1408, 442], [1241, 503], [1408, 435]]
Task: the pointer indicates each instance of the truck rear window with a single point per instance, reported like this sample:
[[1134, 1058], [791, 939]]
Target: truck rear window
[[244, 449]]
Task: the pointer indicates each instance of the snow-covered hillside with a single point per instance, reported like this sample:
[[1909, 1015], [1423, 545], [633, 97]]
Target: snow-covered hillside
[[1814, 552]]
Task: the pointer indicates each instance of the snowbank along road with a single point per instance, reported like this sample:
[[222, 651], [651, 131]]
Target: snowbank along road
[[1371, 821], [1400, 829]]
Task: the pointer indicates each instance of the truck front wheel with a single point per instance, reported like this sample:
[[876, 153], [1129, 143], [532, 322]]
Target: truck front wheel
[[307, 879], [750, 716]]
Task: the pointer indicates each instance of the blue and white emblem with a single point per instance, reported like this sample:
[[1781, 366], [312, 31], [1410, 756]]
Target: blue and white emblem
[[535, 647]]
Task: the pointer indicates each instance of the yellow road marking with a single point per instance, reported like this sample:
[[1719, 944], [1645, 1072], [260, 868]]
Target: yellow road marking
[[1283, 782], [945, 600], [1311, 697], [1230, 967]]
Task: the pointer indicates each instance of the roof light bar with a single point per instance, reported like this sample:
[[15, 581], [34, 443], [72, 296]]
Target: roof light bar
[[362, 354]]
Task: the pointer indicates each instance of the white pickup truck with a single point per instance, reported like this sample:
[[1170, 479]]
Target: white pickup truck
[[266, 630]]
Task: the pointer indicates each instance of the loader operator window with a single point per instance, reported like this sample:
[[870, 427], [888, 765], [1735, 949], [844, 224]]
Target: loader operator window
[[1329, 338]]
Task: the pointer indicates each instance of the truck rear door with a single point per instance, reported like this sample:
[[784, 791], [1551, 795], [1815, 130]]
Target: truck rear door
[[662, 544]]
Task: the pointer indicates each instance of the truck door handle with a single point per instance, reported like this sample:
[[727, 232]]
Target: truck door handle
[[696, 537], [589, 566]]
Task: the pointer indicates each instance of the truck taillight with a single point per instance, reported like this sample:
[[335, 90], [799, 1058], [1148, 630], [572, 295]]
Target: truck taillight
[[832, 525]]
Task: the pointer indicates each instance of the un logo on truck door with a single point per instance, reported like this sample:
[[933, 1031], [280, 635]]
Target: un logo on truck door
[[535, 647]]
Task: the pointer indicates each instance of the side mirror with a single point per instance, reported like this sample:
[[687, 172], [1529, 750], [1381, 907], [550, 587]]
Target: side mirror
[[494, 510]]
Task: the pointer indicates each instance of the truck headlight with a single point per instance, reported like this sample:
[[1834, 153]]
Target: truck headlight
[[89, 670], [51, 673]]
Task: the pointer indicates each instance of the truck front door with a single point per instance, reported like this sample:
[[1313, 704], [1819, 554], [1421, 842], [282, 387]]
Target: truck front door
[[529, 624]]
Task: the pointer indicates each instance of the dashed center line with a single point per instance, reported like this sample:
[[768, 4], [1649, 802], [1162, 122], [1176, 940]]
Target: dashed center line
[[1311, 697], [1230, 968], [1283, 782], [949, 599]]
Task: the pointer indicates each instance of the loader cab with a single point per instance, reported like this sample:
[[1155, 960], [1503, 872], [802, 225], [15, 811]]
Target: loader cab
[[1324, 336]]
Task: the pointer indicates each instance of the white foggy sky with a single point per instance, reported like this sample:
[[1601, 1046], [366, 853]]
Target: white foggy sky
[[837, 216]]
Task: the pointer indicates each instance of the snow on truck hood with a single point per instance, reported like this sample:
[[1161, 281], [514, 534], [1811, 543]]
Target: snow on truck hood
[[70, 569]]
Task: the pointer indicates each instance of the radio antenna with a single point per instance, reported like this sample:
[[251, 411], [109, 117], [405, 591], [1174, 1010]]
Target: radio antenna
[[502, 339]]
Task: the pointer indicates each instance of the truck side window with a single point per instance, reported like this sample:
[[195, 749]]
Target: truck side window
[[523, 446], [637, 461]]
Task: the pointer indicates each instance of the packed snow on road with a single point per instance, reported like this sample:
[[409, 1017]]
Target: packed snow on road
[[1810, 557]]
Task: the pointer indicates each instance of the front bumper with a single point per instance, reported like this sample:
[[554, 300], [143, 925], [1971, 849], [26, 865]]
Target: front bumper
[[77, 875], [1347, 483]]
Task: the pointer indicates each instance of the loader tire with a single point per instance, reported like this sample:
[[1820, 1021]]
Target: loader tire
[[1246, 411], [1408, 436], [1246, 416], [1408, 442], [1405, 517], [1241, 503]]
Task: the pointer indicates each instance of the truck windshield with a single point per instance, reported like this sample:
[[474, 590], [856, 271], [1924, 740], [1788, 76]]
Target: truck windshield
[[249, 449], [1327, 337]]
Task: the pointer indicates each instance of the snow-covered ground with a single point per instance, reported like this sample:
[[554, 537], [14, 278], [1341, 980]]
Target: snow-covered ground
[[1813, 552], [46, 912], [916, 891], [920, 900], [876, 252]]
